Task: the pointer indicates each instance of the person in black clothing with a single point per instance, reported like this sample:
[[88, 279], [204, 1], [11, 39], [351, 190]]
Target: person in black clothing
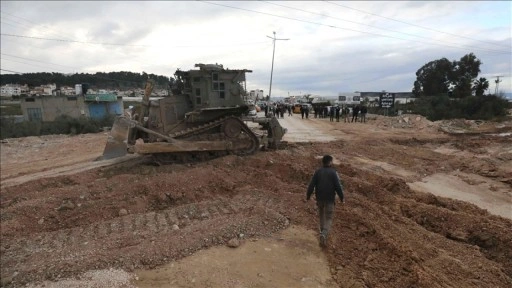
[[355, 112], [331, 113], [364, 110], [306, 111], [346, 111], [325, 183], [302, 111], [337, 113], [266, 110]]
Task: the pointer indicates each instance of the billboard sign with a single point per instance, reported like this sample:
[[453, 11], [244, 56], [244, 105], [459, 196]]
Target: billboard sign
[[387, 100]]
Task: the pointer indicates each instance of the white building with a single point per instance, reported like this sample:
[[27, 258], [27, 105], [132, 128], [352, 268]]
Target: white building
[[48, 89], [256, 94], [10, 90]]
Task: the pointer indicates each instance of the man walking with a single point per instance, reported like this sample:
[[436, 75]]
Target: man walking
[[325, 183]]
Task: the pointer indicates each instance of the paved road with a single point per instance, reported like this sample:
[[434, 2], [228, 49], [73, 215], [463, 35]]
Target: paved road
[[306, 130]]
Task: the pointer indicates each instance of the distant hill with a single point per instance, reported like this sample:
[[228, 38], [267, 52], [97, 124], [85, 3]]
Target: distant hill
[[99, 80]]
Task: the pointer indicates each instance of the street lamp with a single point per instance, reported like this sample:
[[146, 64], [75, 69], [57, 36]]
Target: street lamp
[[272, 71]]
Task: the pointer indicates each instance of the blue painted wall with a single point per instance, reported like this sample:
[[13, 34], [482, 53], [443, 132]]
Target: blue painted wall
[[97, 110]]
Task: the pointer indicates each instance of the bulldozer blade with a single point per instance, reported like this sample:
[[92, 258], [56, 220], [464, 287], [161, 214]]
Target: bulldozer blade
[[117, 139]]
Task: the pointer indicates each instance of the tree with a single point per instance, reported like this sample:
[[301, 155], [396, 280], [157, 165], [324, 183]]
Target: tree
[[440, 76], [465, 72], [433, 78], [480, 85]]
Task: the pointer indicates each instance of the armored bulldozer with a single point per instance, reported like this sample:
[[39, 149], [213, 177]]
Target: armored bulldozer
[[205, 117]]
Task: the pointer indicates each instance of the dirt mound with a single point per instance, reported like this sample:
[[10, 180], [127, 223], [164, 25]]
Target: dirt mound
[[460, 126], [141, 216], [407, 121]]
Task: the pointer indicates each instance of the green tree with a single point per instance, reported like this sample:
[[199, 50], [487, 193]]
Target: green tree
[[433, 78], [440, 76], [480, 85], [465, 72]]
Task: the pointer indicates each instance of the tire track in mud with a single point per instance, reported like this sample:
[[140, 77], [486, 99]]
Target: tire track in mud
[[69, 251]]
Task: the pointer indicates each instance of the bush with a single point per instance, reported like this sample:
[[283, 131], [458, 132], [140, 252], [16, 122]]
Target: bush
[[442, 107]]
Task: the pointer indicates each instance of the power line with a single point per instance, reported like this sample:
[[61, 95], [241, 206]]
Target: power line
[[12, 71], [30, 64], [84, 42], [376, 27], [423, 27], [38, 61], [337, 27], [73, 41], [35, 24]]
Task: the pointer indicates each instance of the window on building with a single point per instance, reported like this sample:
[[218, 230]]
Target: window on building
[[198, 100], [30, 100], [34, 114], [198, 92]]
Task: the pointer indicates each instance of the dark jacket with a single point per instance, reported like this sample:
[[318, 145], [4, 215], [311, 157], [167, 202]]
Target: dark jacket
[[325, 183]]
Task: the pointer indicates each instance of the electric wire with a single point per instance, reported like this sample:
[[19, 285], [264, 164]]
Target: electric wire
[[419, 26], [348, 29], [373, 26]]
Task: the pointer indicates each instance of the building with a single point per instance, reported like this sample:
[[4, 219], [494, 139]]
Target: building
[[10, 90], [47, 108], [101, 105], [256, 94], [400, 97]]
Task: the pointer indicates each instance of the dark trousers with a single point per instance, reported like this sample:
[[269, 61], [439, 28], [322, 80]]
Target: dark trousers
[[325, 213]]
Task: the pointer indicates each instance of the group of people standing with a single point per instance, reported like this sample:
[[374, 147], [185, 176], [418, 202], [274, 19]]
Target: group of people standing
[[278, 109], [335, 112], [359, 109]]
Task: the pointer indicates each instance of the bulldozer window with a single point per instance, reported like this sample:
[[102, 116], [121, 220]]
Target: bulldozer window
[[198, 92], [198, 100]]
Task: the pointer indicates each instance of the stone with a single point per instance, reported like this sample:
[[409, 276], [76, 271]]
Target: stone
[[175, 227], [123, 212], [41, 221], [233, 243], [66, 205], [338, 268]]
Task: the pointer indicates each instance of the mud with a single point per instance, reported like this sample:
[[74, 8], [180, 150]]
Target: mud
[[133, 215]]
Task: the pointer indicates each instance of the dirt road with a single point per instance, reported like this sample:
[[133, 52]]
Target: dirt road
[[108, 226]]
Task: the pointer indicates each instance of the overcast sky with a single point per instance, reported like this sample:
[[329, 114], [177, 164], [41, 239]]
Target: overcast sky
[[333, 46]]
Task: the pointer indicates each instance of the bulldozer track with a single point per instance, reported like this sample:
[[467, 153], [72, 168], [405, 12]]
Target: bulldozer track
[[68, 246], [168, 158]]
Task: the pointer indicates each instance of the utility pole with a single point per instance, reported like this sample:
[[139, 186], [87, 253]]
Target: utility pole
[[497, 81], [272, 71]]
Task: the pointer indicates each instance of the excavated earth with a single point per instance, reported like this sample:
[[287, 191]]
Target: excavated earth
[[136, 215]]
